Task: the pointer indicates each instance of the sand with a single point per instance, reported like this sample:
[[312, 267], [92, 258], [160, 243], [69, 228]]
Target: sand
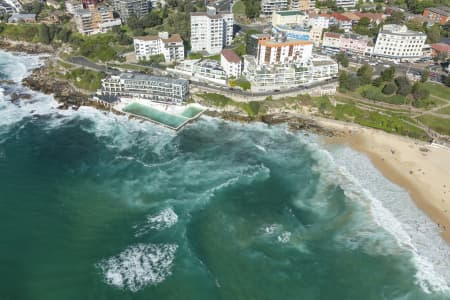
[[420, 168]]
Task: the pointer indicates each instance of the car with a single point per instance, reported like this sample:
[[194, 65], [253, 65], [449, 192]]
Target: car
[[386, 66]]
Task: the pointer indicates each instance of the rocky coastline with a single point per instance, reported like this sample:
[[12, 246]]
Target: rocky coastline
[[24, 47], [42, 80]]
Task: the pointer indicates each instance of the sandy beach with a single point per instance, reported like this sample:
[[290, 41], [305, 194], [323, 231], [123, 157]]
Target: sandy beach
[[422, 169]]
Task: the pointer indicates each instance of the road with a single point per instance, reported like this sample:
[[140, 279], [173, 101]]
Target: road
[[83, 62]]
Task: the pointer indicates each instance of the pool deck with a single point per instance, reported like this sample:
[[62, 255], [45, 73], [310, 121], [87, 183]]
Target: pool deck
[[171, 109]]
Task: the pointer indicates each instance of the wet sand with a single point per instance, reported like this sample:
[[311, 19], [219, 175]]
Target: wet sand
[[422, 169]]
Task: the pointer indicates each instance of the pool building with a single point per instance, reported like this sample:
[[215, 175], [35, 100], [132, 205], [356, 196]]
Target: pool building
[[142, 86]]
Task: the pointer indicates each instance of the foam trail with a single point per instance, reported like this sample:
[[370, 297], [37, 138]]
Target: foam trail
[[163, 220]]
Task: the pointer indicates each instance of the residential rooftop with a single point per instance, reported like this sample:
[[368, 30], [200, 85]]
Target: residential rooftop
[[286, 13], [231, 56], [138, 76], [444, 11], [400, 30]]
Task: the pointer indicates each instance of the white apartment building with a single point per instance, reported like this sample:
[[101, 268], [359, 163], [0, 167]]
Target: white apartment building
[[283, 51], [297, 32], [346, 42], [95, 20], [201, 70], [231, 63], [289, 17], [300, 5], [127, 8], [265, 78], [171, 46], [72, 6], [211, 31], [398, 43], [142, 86], [269, 6], [346, 3], [319, 21]]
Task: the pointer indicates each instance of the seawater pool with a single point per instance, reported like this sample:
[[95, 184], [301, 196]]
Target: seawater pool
[[168, 119], [155, 115], [192, 111]]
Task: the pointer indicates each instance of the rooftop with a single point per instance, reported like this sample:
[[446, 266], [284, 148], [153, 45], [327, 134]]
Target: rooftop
[[400, 30], [231, 56], [445, 11], [138, 76], [174, 38], [23, 16], [441, 47], [286, 13]]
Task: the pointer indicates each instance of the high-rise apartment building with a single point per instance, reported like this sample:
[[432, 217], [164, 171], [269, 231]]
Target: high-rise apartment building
[[95, 20], [283, 51], [270, 6], [127, 8], [171, 46], [398, 42], [211, 31], [302, 5]]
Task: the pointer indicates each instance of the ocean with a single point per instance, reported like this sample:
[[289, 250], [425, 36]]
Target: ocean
[[96, 206]]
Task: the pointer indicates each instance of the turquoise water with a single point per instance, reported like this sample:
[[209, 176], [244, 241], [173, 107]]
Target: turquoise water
[[191, 111], [154, 114], [96, 206]]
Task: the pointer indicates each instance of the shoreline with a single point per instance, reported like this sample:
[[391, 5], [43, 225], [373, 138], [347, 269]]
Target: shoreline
[[400, 159], [421, 169]]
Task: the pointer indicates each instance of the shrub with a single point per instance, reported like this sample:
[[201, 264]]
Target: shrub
[[404, 86], [389, 88]]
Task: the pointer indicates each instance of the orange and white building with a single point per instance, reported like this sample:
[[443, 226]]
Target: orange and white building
[[283, 51]]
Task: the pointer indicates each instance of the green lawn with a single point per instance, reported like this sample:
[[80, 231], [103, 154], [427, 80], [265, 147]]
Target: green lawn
[[85, 79], [440, 125], [438, 90], [445, 110], [239, 8]]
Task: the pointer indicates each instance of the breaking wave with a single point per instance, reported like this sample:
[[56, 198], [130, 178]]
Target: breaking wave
[[139, 266]]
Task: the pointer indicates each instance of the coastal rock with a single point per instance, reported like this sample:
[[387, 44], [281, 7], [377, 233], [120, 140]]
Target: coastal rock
[[41, 80], [30, 48]]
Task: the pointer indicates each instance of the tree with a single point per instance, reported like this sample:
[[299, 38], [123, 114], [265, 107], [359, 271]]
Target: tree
[[335, 28], [343, 80], [420, 92], [433, 34], [44, 34], [252, 8], [403, 85], [389, 88], [447, 81], [34, 7], [388, 74], [152, 19], [397, 17], [365, 73], [342, 59], [425, 75], [64, 35], [378, 81]]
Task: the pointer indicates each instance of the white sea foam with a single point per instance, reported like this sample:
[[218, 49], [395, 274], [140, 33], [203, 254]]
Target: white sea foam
[[163, 220], [284, 237], [392, 209], [17, 66], [139, 266]]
